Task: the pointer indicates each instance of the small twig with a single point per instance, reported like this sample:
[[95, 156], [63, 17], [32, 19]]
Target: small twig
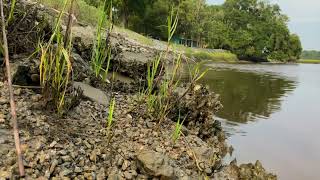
[[12, 103], [69, 25], [27, 87]]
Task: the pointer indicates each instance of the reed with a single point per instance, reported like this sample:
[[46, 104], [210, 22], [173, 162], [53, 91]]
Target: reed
[[177, 130], [101, 51], [55, 66]]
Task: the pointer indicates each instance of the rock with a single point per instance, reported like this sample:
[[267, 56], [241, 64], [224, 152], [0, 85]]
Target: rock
[[88, 145], [17, 92], [65, 172], [77, 169], [66, 158], [4, 174], [128, 175], [93, 156], [92, 93], [53, 144], [2, 118], [125, 165], [120, 162], [155, 164], [101, 174], [114, 176], [54, 163]]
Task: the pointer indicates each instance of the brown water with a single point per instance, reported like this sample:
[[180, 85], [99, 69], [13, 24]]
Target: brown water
[[271, 113]]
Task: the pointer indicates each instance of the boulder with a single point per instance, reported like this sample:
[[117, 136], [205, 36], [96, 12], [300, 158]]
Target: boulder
[[92, 93], [155, 164]]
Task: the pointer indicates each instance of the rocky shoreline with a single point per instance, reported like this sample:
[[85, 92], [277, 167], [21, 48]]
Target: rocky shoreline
[[76, 146]]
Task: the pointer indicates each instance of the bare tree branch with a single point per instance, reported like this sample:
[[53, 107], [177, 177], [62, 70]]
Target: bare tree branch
[[12, 103]]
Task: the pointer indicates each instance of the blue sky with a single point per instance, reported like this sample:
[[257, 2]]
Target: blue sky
[[304, 19]]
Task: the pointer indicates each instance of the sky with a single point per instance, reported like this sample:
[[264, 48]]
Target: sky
[[304, 19]]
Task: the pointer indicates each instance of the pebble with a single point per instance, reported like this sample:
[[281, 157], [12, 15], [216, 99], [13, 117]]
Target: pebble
[[65, 172], [17, 92], [208, 170], [66, 158], [85, 142], [101, 174], [120, 162], [127, 175], [53, 144], [53, 165], [77, 169], [125, 165], [2, 118]]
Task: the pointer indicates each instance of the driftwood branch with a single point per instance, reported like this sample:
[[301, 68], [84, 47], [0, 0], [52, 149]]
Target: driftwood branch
[[69, 25], [12, 103]]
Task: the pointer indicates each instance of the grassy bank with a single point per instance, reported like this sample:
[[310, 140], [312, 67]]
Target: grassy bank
[[89, 15], [216, 56], [309, 61]]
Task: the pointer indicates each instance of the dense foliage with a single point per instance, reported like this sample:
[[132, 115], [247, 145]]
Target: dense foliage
[[252, 29], [310, 55]]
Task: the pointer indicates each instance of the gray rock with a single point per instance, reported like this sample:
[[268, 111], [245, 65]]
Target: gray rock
[[77, 169], [65, 172], [114, 176], [101, 174], [92, 93], [155, 164], [53, 165], [66, 158], [128, 175]]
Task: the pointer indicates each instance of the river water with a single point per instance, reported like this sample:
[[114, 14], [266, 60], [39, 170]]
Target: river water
[[271, 113]]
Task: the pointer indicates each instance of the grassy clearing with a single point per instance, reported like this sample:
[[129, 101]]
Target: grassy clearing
[[309, 61], [84, 12], [223, 56], [135, 36]]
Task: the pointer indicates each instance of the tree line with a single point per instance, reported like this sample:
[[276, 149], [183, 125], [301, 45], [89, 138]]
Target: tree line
[[252, 29], [310, 54]]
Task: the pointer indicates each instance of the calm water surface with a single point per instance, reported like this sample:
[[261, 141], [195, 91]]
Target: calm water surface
[[271, 113]]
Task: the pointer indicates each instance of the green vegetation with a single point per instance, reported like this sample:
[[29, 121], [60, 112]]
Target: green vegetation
[[223, 56], [101, 49], [84, 12], [13, 4], [55, 67], [311, 55], [159, 100], [252, 29], [309, 61], [110, 116], [177, 129]]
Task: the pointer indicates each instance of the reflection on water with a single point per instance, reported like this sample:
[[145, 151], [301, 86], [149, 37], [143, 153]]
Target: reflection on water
[[271, 113], [247, 95]]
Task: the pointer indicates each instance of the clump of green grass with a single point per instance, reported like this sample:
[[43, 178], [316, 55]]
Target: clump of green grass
[[309, 61], [177, 129], [101, 51], [110, 120], [55, 66], [135, 36], [13, 4], [110, 116], [84, 12], [161, 99], [212, 56]]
